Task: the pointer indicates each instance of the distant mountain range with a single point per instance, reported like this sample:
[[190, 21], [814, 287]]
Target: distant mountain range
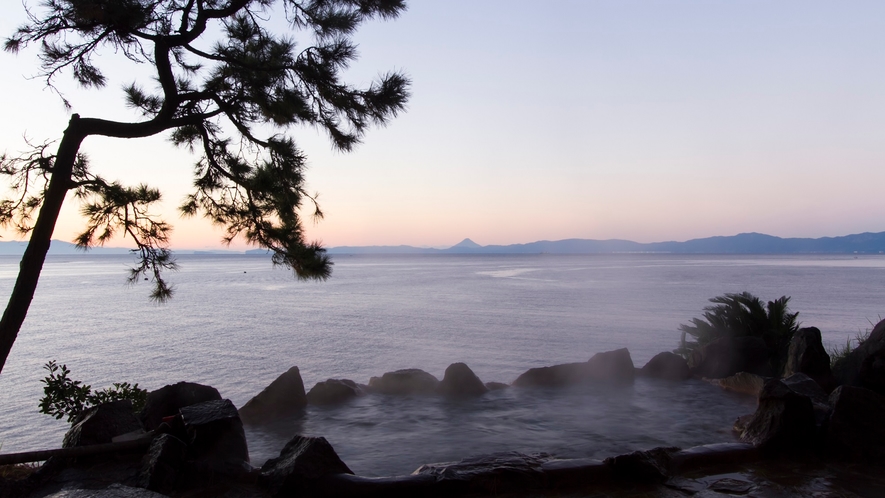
[[744, 243]]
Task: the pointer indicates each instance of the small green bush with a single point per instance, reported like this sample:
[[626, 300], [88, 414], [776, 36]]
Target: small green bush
[[742, 315], [65, 397]]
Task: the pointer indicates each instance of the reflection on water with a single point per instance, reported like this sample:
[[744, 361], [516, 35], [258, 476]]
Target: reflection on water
[[379, 435]]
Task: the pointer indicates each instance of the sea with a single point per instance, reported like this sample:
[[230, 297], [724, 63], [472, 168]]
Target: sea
[[236, 323]]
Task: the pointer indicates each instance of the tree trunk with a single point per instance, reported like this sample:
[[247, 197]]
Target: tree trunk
[[35, 254]]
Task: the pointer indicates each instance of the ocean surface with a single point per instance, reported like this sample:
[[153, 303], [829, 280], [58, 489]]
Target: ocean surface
[[236, 323]]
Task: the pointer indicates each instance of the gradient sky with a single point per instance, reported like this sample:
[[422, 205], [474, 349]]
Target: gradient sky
[[643, 120]]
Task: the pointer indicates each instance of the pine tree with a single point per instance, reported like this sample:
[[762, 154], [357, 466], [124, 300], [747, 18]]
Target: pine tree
[[223, 76]]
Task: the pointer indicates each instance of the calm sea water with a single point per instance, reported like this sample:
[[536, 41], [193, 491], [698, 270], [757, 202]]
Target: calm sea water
[[236, 323]]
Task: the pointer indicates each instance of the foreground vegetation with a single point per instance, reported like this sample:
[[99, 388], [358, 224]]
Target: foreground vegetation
[[742, 315], [65, 397]]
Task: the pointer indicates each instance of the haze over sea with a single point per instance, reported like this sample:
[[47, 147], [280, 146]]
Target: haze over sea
[[236, 323]]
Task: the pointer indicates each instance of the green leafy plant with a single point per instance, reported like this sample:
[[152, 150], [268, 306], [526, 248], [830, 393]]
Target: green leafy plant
[[65, 397], [742, 315]]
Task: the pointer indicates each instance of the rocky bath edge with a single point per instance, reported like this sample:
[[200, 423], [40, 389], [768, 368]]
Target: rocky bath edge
[[188, 441]]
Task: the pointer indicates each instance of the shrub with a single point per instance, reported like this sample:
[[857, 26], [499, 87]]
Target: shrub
[[742, 315], [839, 353], [64, 397]]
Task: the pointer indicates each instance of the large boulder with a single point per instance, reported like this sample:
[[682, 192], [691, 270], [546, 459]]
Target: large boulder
[[855, 428], [552, 376], [727, 356], [613, 367], [333, 392], [168, 400], [666, 365], [848, 369], [163, 464], [460, 381], [803, 384], [406, 381], [217, 441], [302, 463], [283, 398], [784, 420], [872, 372], [807, 355], [100, 424]]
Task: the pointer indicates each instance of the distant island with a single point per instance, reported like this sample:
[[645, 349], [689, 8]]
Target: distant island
[[744, 243]]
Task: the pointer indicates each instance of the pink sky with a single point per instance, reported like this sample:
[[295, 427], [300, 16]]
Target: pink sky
[[640, 120]]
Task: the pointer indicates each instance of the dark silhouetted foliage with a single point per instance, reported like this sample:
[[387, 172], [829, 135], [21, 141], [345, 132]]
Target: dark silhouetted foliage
[[741, 315], [65, 397], [229, 85]]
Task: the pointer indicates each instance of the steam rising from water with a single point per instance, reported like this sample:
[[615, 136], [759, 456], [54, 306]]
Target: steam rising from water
[[378, 435]]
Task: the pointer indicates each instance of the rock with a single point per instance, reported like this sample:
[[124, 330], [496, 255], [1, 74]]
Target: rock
[[112, 491], [699, 458], [216, 437], [283, 398], [162, 464], [333, 392], [642, 466], [727, 356], [611, 366], [872, 372], [494, 473], [407, 381], [667, 365], [460, 381], [731, 486], [168, 400], [805, 385], [784, 420], [495, 386], [855, 428], [743, 383], [847, 370], [301, 464], [100, 424], [741, 423], [807, 355], [553, 376]]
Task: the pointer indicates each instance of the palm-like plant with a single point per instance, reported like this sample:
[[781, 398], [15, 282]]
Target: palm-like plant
[[742, 315]]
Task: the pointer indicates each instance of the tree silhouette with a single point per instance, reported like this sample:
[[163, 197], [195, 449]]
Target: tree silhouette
[[227, 87]]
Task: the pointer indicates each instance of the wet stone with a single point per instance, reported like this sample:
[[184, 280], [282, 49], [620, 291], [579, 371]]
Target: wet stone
[[167, 400], [734, 486], [216, 434], [405, 382], [100, 424], [333, 392], [302, 462], [689, 486], [112, 491], [282, 398], [162, 464]]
